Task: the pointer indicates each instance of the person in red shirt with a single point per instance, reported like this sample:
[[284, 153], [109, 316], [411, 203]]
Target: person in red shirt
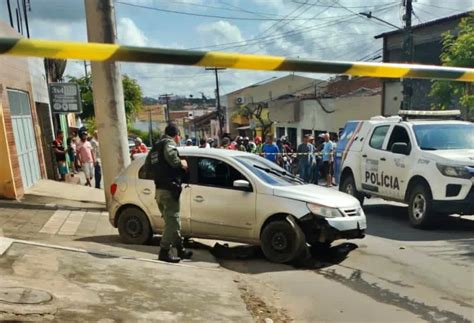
[[140, 147]]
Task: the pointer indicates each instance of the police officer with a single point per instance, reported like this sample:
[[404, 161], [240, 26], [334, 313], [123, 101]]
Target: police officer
[[167, 171]]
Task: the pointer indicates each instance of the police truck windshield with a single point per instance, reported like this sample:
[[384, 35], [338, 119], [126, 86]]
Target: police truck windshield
[[444, 136]]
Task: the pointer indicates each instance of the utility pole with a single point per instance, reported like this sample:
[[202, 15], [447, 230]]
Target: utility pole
[[10, 14], [408, 51], [167, 96], [220, 115], [25, 12], [150, 129], [107, 88], [85, 69]]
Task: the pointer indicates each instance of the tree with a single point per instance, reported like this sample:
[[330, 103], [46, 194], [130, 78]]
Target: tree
[[131, 91], [457, 51], [255, 111]]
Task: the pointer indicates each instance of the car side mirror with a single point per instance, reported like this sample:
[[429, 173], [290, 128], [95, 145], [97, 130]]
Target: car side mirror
[[400, 148], [242, 184]]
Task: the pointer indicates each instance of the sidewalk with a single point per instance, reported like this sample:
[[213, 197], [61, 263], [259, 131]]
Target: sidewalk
[[52, 195], [75, 285]]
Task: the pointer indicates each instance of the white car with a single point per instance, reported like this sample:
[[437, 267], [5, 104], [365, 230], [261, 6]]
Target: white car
[[426, 163], [241, 197]]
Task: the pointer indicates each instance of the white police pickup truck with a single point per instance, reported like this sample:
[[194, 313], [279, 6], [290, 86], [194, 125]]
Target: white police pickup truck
[[425, 162]]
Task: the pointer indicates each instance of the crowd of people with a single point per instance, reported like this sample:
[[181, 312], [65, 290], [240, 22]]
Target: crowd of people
[[81, 153], [312, 160]]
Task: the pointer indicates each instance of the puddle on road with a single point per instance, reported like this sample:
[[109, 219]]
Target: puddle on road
[[424, 311]]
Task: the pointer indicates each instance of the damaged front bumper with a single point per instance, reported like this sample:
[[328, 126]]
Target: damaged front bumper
[[318, 229]]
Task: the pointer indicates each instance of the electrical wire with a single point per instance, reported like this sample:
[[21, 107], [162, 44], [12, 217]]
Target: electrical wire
[[353, 7], [441, 7], [238, 44], [206, 15]]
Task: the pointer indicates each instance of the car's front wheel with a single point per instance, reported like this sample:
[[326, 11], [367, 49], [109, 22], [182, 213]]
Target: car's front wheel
[[348, 186], [420, 209], [282, 241], [134, 227]]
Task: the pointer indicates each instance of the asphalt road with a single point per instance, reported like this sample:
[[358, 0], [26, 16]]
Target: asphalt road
[[395, 274]]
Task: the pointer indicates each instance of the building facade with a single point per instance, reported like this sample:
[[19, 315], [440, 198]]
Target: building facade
[[345, 99], [427, 50], [261, 94], [25, 122]]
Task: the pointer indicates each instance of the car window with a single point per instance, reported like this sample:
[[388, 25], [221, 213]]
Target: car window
[[399, 134], [214, 172], [142, 173], [378, 137]]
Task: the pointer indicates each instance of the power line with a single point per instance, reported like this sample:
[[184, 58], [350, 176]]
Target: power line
[[206, 15], [353, 7], [232, 8], [286, 34], [441, 7], [246, 42]]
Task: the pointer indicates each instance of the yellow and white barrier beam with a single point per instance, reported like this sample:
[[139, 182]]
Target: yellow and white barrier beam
[[113, 52]]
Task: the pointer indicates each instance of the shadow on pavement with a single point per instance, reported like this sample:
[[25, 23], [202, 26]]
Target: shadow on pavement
[[242, 258], [391, 222], [256, 263]]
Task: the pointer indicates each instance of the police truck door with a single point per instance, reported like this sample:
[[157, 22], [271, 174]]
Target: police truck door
[[373, 162], [397, 162]]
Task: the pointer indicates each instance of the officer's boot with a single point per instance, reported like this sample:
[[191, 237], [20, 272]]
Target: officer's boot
[[165, 256], [184, 254]]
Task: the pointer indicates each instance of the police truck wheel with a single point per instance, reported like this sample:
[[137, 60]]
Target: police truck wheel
[[348, 186], [134, 227], [282, 242], [420, 209]]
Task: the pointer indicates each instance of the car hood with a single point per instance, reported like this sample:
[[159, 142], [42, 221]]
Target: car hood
[[317, 194], [454, 156]]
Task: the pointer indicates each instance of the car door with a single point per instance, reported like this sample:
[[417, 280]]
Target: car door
[[373, 163], [217, 208], [397, 165], [146, 192]]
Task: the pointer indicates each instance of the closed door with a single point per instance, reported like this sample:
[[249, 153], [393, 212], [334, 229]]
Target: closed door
[[146, 193], [218, 208], [24, 135]]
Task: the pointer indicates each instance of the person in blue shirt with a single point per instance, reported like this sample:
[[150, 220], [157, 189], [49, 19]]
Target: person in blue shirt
[[270, 150], [328, 149]]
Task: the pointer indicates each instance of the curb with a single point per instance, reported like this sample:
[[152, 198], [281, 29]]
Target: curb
[[53, 207]]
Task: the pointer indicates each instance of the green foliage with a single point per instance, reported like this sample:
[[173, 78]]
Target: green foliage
[[131, 90], [457, 51]]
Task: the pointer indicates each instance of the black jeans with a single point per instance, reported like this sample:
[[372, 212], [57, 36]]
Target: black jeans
[[98, 174]]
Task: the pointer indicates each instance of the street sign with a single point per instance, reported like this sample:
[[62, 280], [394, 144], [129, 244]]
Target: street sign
[[65, 98]]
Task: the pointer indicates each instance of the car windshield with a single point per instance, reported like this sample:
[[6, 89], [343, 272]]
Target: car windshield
[[444, 136], [269, 172]]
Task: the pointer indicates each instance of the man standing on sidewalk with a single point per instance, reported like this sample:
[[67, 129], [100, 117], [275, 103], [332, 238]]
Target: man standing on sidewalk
[[98, 165], [328, 150], [86, 157], [60, 154], [168, 169]]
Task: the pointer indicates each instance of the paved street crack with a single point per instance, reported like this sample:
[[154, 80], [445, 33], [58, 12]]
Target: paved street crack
[[259, 309], [424, 311]]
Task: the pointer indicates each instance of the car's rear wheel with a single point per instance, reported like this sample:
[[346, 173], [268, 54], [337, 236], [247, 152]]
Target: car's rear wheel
[[282, 241], [348, 186], [420, 211], [134, 227]]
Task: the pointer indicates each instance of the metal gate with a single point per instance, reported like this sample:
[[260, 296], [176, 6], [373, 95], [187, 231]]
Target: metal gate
[[23, 132]]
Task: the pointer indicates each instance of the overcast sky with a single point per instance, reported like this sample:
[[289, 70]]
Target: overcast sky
[[314, 29]]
